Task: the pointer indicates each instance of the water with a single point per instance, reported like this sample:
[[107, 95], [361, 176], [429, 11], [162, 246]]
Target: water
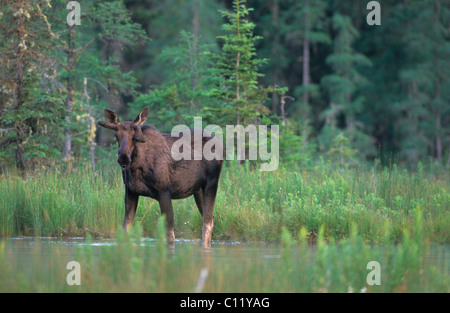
[[150, 242], [28, 255], [40, 264], [27, 246], [25, 249]]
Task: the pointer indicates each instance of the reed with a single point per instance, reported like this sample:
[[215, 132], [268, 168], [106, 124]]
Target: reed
[[250, 206]]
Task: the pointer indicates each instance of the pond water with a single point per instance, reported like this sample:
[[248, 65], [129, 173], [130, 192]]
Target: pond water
[[28, 255], [39, 264], [31, 246]]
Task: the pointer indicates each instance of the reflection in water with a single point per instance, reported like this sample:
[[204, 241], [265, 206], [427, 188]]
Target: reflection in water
[[39, 264], [28, 253]]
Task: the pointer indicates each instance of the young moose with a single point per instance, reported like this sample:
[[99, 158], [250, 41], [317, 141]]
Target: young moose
[[148, 169]]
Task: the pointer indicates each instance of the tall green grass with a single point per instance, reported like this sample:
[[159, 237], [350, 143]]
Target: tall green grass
[[52, 203], [250, 204]]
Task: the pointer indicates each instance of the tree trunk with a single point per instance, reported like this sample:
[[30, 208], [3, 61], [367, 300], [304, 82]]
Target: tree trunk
[[195, 20], [283, 114], [275, 50], [238, 94], [69, 99], [91, 125], [114, 48], [20, 161], [193, 53], [438, 138], [20, 64], [306, 56], [437, 90]]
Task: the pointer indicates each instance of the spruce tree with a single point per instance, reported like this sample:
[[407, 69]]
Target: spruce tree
[[310, 32], [238, 66], [343, 85], [425, 80]]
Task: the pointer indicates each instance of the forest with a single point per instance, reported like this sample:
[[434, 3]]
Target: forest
[[340, 89]]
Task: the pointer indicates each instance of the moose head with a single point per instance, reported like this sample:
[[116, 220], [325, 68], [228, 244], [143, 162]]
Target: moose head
[[127, 133]]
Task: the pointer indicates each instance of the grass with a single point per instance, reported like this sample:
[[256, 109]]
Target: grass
[[250, 205], [328, 223]]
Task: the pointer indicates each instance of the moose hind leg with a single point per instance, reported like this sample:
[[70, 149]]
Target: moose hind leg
[[198, 196], [131, 203], [209, 196], [165, 203]]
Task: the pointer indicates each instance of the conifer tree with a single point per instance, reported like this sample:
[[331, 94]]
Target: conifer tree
[[30, 105], [311, 31], [426, 80], [343, 83], [238, 66]]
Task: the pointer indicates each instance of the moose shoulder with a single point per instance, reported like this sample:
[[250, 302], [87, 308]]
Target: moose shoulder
[[148, 169]]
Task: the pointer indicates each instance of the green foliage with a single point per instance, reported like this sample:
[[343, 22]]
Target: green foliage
[[187, 88], [242, 97], [424, 78], [385, 88], [340, 150], [43, 67], [296, 146], [116, 22], [344, 81], [30, 105], [93, 51]]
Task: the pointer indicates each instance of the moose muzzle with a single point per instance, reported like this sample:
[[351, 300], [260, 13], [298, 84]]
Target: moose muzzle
[[124, 155]]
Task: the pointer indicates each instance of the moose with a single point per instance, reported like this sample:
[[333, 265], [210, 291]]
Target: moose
[[149, 170]]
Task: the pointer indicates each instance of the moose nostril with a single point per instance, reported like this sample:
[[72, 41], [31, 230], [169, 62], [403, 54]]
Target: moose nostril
[[123, 160]]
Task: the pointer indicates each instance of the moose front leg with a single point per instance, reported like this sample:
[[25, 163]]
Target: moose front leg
[[165, 203], [131, 203]]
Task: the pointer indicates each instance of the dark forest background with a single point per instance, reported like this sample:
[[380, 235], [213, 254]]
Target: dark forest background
[[339, 88]]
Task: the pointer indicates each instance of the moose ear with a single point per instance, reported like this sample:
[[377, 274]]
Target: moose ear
[[142, 117], [111, 117]]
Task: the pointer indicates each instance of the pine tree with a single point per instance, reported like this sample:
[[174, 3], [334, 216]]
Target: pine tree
[[238, 66]]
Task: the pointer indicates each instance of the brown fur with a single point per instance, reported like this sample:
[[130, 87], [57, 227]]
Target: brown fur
[[149, 170]]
